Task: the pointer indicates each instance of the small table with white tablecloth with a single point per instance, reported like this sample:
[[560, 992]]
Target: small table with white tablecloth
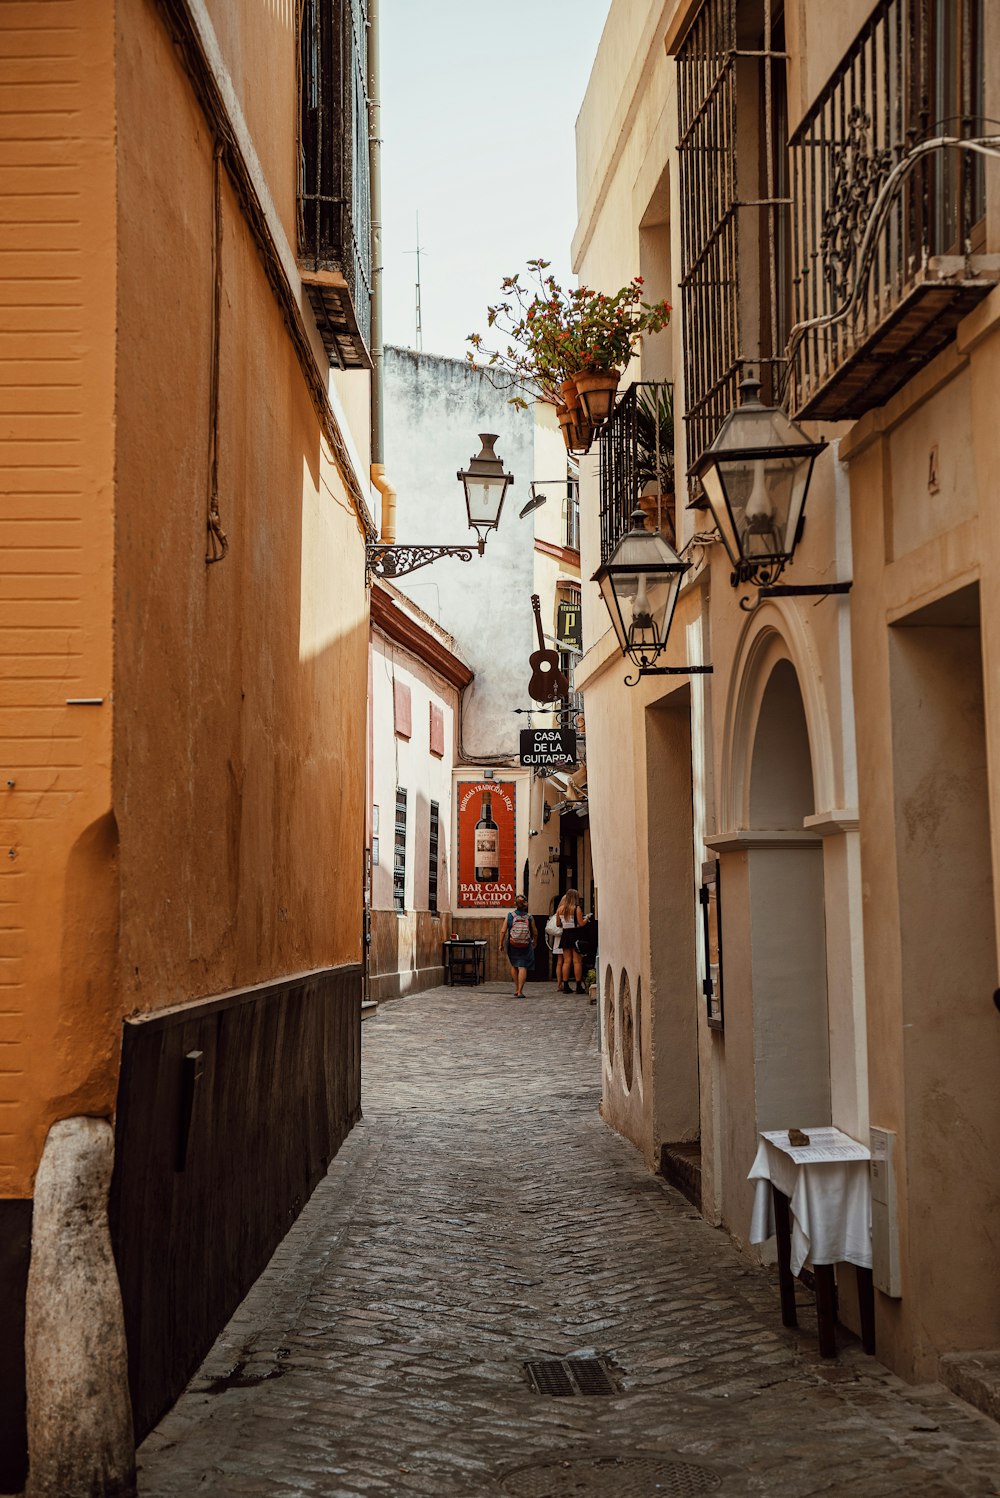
[[816, 1199]]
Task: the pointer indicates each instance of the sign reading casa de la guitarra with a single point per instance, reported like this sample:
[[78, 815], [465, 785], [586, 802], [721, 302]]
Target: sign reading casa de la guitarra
[[487, 856], [548, 748]]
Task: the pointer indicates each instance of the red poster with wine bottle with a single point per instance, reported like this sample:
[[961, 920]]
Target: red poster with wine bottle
[[487, 855]]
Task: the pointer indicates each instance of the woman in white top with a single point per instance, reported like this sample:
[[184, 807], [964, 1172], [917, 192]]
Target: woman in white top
[[569, 964]]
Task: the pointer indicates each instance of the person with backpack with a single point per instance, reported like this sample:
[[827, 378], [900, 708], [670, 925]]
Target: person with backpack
[[519, 935]]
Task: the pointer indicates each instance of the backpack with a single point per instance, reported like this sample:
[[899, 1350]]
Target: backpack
[[520, 930]]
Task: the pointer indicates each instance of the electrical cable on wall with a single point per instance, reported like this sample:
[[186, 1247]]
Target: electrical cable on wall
[[218, 541]]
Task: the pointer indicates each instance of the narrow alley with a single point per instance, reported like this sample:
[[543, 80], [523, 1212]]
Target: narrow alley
[[482, 1215]]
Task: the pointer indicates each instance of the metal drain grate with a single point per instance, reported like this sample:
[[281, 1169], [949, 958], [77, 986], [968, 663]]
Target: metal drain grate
[[562, 1376], [610, 1477]]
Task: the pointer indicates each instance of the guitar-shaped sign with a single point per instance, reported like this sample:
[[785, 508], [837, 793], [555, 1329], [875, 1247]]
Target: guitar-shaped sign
[[547, 681]]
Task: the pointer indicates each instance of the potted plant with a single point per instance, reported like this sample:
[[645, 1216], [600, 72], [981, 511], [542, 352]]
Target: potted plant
[[566, 346], [654, 442]]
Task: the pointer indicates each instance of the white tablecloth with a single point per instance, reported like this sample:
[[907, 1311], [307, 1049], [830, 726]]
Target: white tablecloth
[[831, 1207]]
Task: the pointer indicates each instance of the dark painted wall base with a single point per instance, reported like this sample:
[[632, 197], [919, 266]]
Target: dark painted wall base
[[15, 1251], [229, 1112]]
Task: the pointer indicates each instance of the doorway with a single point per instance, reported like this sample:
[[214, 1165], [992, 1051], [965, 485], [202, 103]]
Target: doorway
[[949, 1034], [791, 1026]]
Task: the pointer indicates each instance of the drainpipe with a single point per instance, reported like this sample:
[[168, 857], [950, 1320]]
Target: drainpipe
[[388, 494], [378, 477]]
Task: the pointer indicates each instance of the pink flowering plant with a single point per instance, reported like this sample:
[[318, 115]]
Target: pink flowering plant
[[548, 334]]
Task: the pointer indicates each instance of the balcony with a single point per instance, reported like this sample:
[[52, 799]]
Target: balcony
[[899, 274], [334, 207], [637, 463]]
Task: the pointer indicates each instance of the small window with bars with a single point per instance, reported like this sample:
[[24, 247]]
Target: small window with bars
[[399, 856], [572, 532], [567, 660], [432, 859]]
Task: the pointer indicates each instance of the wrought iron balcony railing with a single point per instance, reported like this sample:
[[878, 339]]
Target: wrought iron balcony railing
[[637, 463], [334, 189], [886, 239]]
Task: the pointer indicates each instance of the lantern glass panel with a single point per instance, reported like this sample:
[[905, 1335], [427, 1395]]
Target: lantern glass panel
[[484, 499], [640, 583], [763, 498]]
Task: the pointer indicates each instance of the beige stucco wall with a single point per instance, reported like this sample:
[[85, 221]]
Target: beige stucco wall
[[410, 764], [628, 168], [927, 734], [899, 687]]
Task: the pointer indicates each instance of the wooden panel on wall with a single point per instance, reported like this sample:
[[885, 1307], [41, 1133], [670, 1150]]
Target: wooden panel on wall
[[402, 708], [436, 730], [279, 1090], [487, 926]]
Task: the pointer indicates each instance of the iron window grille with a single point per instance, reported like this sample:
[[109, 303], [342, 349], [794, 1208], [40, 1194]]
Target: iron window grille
[[913, 72], [334, 206], [572, 530], [627, 460], [734, 208], [399, 853], [710, 899], [574, 700], [432, 859]]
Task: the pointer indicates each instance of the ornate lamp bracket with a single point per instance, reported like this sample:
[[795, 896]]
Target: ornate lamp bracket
[[394, 561]]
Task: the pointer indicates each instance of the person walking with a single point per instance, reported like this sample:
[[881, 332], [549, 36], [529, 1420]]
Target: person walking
[[570, 919], [518, 935]]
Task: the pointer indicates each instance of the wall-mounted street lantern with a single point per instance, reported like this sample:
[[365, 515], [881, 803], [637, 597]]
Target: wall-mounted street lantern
[[756, 478], [640, 583], [485, 484]]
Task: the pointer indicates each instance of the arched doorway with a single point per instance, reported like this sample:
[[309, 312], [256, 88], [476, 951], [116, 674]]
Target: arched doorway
[[791, 1029]]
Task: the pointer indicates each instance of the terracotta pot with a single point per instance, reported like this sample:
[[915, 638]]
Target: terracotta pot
[[568, 395], [596, 389], [577, 434]]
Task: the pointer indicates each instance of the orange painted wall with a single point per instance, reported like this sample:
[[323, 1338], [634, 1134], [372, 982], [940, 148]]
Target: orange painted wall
[[239, 746], [58, 1009], [207, 832]]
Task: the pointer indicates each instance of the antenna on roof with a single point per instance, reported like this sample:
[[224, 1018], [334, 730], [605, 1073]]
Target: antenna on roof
[[420, 327]]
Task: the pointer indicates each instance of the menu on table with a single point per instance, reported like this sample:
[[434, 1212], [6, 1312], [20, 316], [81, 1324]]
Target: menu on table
[[825, 1144]]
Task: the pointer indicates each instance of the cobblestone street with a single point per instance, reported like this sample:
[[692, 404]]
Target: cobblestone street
[[483, 1215]]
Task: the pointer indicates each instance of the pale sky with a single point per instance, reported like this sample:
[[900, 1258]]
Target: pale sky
[[479, 105]]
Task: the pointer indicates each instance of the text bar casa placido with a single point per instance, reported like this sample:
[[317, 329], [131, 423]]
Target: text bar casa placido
[[548, 748]]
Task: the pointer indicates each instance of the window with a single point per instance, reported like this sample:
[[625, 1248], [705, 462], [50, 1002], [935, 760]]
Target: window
[[432, 860], [572, 534], [954, 107], [334, 207], [567, 660], [734, 208], [399, 856]]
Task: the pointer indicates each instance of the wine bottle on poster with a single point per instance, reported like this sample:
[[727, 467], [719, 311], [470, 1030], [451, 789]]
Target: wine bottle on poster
[[487, 844]]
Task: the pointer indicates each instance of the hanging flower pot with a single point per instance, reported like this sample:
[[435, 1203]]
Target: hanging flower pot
[[548, 335], [568, 394], [597, 389], [576, 431]]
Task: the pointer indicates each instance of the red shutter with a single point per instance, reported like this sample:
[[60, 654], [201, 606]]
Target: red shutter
[[437, 730], [401, 709]]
